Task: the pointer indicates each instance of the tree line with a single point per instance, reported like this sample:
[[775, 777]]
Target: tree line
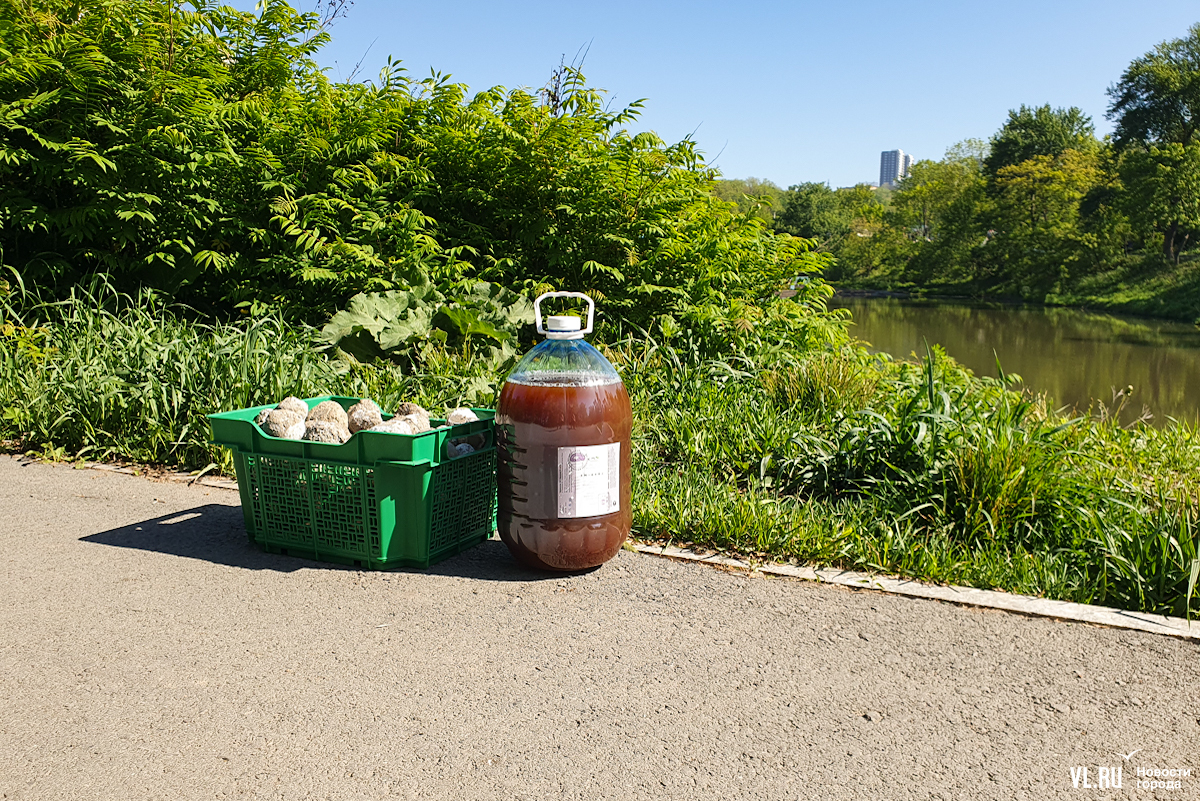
[[1036, 211]]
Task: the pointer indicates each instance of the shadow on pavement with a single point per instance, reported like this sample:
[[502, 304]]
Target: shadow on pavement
[[216, 533], [213, 532], [491, 561]]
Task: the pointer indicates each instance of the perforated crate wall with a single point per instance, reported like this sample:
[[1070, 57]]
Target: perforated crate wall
[[464, 499], [279, 493], [331, 512]]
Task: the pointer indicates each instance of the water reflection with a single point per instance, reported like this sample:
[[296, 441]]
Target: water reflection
[[1072, 356]]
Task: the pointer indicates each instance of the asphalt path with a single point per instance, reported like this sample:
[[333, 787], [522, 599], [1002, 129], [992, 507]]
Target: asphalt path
[[148, 651]]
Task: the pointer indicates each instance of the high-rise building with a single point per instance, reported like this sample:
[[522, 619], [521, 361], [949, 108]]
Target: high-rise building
[[894, 165]]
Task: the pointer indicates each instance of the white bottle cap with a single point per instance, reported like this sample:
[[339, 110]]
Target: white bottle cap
[[565, 323], [565, 327]]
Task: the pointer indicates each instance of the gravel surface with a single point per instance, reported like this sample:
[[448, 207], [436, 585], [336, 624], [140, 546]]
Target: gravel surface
[[147, 651]]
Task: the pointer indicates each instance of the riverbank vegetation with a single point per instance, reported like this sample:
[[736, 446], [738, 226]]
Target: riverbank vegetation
[[196, 221], [1043, 211], [789, 449]]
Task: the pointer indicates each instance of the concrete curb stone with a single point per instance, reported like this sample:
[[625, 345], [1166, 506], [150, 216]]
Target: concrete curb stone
[[969, 596]]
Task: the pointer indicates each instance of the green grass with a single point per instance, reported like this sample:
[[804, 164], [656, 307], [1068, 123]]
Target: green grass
[[1141, 285], [827, 456], [84, 381], [935, 476]]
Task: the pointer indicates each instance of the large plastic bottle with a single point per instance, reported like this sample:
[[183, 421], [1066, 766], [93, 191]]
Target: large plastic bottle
[[562, 430]]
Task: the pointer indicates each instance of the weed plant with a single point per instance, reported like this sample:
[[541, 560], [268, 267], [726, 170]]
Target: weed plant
[[821, 455]]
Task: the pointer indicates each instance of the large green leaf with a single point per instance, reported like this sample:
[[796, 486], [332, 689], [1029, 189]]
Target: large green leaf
[[401, 333], [464, 323], [391, 324]]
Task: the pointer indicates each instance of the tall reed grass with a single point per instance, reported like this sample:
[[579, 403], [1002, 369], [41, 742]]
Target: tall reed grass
[[113, 377], [839, 458]]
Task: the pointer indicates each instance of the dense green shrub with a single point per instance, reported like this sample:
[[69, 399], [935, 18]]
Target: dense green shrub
[[204, 154], [127, 136]]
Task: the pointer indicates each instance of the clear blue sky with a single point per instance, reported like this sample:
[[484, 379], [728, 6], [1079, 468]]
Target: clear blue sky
[[791, 92]]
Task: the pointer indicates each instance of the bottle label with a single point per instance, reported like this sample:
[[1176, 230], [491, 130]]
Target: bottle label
[[589, 480]]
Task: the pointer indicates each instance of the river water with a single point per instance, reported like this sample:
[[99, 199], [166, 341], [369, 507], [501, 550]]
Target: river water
[[1077, 358]]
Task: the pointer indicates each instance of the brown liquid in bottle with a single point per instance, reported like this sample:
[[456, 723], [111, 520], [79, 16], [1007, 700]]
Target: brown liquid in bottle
[[532, 422]]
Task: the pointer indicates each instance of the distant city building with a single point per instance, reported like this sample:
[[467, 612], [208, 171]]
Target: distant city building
[[894, 165]]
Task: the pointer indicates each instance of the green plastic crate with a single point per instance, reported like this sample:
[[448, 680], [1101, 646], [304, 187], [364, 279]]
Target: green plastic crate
[[377, 501]]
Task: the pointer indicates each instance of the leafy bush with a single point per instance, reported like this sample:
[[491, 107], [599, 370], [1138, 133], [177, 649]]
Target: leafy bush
[[203, 153], [127, 133]]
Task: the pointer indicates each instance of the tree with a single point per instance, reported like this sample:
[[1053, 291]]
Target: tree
[[1163, 193], [875, 251], [1156, 108], [814, 211], [763, 199], [1158, 97], [1037, 216], [810, 210], [1043, 193], [1105, 226], [968, 150], [937, 205], [923, 197], [1040, 131]]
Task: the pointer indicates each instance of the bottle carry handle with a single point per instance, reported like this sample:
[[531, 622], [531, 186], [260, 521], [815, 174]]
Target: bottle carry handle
[[537, 308]]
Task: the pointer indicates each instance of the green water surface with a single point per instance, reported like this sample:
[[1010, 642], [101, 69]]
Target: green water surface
[[1077, 358]]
